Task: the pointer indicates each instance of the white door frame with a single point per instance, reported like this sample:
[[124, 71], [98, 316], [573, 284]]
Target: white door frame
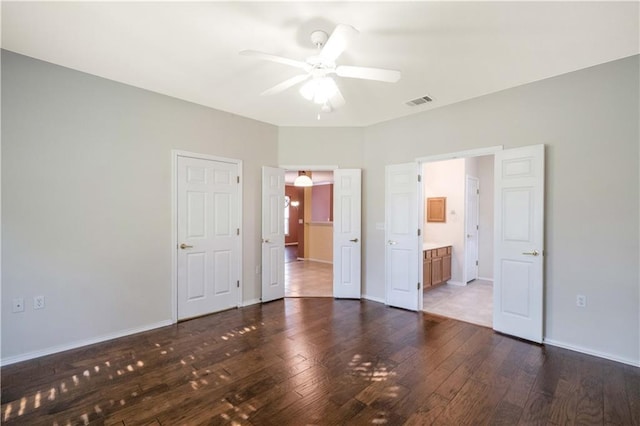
[[323, 168], [174, 222], [476, 213], [491, 150], [320, 168]]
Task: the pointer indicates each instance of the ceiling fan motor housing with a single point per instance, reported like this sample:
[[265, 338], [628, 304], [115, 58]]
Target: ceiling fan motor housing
[[319, 38]]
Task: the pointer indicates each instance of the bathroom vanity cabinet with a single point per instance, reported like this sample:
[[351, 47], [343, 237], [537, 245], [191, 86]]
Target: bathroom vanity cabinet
[[436, 265]]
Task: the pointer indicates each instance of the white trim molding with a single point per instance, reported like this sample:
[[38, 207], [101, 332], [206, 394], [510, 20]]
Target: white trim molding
[[251, 302], [373, 299], [461, 154], [309, 168], [612, 357], [319, 261], [85, 342]]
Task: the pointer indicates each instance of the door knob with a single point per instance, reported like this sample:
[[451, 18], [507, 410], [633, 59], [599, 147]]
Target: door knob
[[185, 246], [531, 253], [392, 243], [355, 240]]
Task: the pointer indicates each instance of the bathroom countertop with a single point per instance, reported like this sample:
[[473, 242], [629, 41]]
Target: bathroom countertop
[[431, 246]]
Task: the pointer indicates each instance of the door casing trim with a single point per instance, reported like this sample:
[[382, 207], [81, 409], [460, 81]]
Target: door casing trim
[[490, 150]]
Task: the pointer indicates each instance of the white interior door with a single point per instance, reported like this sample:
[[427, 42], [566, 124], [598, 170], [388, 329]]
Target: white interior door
[[402, 242], [346, 233], [272, 233], [519, 242], [208, 257], [471, 228]]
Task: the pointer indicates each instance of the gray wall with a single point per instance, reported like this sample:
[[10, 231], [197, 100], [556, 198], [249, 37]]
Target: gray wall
[[86, 195], [320, 146], [588, 121], [86, 200], [485, 235]]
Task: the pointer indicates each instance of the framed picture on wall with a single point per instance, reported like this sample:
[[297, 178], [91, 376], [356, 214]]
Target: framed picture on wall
[[436, 209]]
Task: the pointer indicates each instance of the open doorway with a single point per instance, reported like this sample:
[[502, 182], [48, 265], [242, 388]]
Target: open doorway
[[458, 239], [308, 217], [518, 237]]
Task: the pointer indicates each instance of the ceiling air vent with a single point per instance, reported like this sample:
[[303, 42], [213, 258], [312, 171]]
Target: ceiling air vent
[[419, 101]]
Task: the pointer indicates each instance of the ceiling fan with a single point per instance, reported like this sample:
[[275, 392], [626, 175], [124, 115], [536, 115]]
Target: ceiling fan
[[318, 69]]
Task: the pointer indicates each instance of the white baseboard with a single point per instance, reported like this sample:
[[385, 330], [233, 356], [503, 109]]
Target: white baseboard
[[250, 302], [485, 279], [458, 283], [373, 299], [551, 342], [79, 343], [320, 261]]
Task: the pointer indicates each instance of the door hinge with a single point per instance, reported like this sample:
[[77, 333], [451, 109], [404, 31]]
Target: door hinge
[[238, 283], [419, 232], [237, 231], [419, 178], [238, 179], [418, 286], [477, 191], [476, 263], [477, 227]]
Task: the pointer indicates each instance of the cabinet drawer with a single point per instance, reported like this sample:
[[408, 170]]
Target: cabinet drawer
[[443, 251]]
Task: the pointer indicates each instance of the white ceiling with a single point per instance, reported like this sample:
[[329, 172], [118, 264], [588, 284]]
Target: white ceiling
[[451, 51]]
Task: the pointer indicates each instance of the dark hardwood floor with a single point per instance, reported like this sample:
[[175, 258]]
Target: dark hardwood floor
[[319, 361]]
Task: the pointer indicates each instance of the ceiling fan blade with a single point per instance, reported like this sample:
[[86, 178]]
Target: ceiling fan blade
[[337, 42], [337, 100], [378, 74], [281, 87], [278, 59]]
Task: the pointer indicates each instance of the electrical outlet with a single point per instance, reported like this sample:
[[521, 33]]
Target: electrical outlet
[[581, 301], [38, 302], [18, 304]]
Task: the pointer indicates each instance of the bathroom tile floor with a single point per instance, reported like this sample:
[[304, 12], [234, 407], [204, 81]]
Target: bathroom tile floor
[[471, 303]]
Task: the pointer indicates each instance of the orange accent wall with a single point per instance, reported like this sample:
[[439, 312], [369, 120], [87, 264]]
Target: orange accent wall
[[322, 203]]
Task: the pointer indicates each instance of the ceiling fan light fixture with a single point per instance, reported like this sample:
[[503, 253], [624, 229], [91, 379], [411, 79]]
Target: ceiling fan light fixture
[[303, 180], [319, 90], [319, 87]]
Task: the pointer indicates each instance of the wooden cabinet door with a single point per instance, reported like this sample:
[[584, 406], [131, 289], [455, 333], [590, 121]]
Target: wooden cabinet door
[[436, 270], [446, 268], [426, 273]]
